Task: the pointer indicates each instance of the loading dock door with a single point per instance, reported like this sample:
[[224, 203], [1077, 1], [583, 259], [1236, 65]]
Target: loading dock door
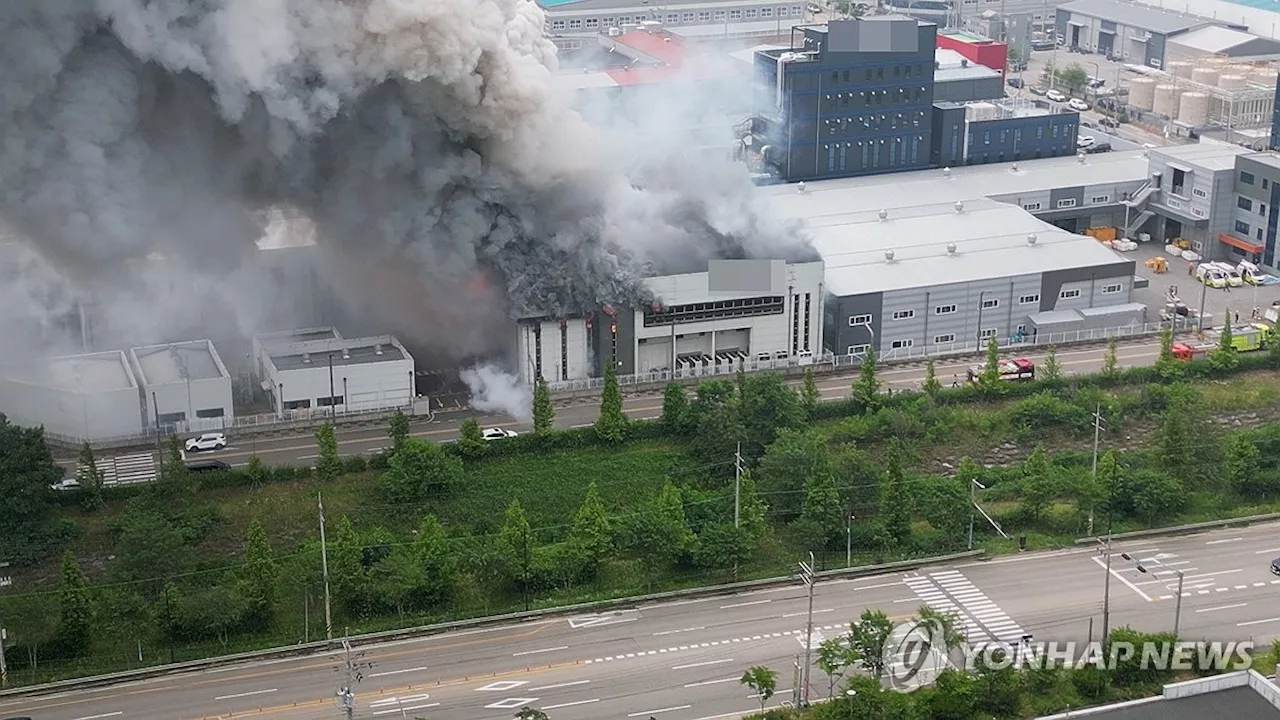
[[1106, 42]]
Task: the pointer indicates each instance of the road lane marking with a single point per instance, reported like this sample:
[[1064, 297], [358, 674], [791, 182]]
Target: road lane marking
[[815, 612], [673, 632], [744, 604], [405, 709], [1228, 540], [703, 664], [502, 685], [685, 602], [245, 694], [1222, 607], [511, 703], [396, 672], [1257, 622], [1123, 579], [663, 710], [397, 701], [1267, 552], [570, 704], [712, 682], [876, 587], [559, 685], [544, 650], [104, 715]]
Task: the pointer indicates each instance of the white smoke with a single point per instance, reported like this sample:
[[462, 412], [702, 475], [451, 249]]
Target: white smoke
[[494, 390]]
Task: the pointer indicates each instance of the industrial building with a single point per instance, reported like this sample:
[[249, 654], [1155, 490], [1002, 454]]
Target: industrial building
[[1252, 236], [1234, 100], [183, 385], [957, 79], [82, 397], [1137, 34], [317, 368], [1005, 130], [572, 24], [699, 322], [1213, 41], [975, 48]]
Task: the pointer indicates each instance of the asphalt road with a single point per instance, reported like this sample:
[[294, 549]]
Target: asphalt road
[[294, 450], [681, 660]]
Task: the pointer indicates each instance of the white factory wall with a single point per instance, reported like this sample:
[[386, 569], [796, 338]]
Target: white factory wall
[[198, 402], [564, 354], [368, 386], [89, 416]]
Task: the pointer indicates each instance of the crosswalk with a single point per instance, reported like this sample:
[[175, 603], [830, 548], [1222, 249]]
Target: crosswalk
[[126, 469], [980, 619]]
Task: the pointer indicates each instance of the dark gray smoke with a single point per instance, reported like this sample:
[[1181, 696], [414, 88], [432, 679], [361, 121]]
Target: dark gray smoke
[[448, 183]]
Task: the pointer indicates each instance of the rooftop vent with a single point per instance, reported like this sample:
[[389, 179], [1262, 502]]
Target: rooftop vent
[[1080, 156], [964, 62], [888, 256], [959, 206], [946, 172], [377, 349], [1013, 168], [1032, 239], [884, 215], [800, 186], [951, 248], [306, 357], [346, 354]]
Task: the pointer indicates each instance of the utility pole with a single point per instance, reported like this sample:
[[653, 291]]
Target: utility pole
[[1177, 614], [4, 668], [1097, 431], [795, 681], [973, 503], [737, 486], [848, 543], [810, 579], [354, 671], [324, 564]]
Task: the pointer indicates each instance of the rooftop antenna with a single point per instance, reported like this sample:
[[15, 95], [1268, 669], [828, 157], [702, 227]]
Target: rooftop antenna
[[1032, 239], [951, 248], [884, 215], [959, 207], [888, 256]]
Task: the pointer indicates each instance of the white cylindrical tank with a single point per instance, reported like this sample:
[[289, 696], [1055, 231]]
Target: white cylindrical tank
[[1179, 69], [1142, 91], [1193, 109], [1264, 76], [1165, 102], [1238, 69], [1232, 82], [1205, 76], [1214, 62]]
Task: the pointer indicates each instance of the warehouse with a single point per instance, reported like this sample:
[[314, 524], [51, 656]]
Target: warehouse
[[184, 385], [750, 312], [572, 24], [917, 264], [319, 369], [1137, 34], [78, 398]]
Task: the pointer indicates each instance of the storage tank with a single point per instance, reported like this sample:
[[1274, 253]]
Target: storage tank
[[1165, 102], [1206, 76], [1179, 69], [1142, 92], [1264, 76], [1238, 69], [1193, 109], [1232, 82]]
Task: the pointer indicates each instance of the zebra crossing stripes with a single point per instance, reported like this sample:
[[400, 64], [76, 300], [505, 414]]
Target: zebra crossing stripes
[[938, 600], [126, 469], [997, 622]]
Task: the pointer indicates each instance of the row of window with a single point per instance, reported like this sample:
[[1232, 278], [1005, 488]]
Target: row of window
[[902, 151], [872, 122], [871, 74], [700, 312], [987, 304], [1245, 203], [1065, 203], [833, 102], [1055, 130], [685, 18]]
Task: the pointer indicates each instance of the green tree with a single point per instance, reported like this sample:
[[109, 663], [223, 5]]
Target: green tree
[[166, 609], [659, 536], [612, 423], [1110, 362], [544, 411], [26, 472], [866, 388], [1167, 366], [255, 470], [787, 465], [75, 607], [1240, 463], [470, 437], [1073, 77], [1108, 483], [90, 477], [715, 423], [767, 406], [592, 534], [866, 640], [259, 576], [1224, 357], [347, 574], [173, 469], [945, 505], [328, 466], [398, 430], [1177, 437], [896, 498], [810, 396], [528, 713], [752, 509], [989, 380], [516, 540], [675, 407], [420, 470], [721, 545], [1039, 484], [437, 564], [945, 624], [763, 681], [833, 660], [953, 697], [822, 517], [931, 385], [1051, 370], [1273, 351]]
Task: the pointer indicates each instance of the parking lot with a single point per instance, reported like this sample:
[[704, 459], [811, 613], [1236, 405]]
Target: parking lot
[[1217, 301]]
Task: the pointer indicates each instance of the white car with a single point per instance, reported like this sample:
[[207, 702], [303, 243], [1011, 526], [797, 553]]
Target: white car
[[498, 433], [207, 441], [66, 484], [1085, 141], [1055, 95], [1077, 104]]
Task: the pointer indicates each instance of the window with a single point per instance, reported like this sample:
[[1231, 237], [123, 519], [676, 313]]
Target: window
[[1173, 203], [900, 344], [575, 24], [1197, 192], [720, 15], [1246, 178], [856, 320], [1099, 199], [1067, 203], [218, 412], [797, 10], [904, 314], [1242, 227], [673, 18], [766, 12], [858, 349], [687, 17], [1262, 209], [330, 401], [557, 24], [942, 339], [944, 310], [1264, 183], [698, 312], [986, 333], [1199, 213], [1068, 294], [1112, 289], [991, 303], [751, 13], [1029, 299], [735, 14], [1031, 207], [1244, 203], [704, 16]]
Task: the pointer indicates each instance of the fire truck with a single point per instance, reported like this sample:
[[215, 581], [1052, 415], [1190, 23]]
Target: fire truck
[[1017, 369]]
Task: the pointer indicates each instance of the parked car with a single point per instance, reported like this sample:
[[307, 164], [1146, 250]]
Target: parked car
[[1037, 90], [1014, 82], [1085, 141], [1098, 148], [207, 441], [66, 484], [1056, 96], [498, 433], [1108, 121], [1275, 566], [1077, 104], [207, 465]]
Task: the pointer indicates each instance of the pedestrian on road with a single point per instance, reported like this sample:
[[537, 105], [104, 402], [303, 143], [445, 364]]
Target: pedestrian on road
[[955, 380], [1191, 269], [1237, 318]]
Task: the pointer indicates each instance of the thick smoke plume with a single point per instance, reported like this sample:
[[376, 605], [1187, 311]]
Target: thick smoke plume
[[494, 390], [449, 184]]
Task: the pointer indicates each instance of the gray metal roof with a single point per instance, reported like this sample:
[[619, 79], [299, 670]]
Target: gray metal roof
[[89, 373], [359, 352], [1221, 40], [177, 362], [1208, 153], [553, 9], [1241, 703], [1133, 15], [973, 72], [1266, 158], [990, 239]]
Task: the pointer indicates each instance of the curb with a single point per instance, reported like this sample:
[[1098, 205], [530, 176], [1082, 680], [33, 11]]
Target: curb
[[1185, 529], [428, 630]]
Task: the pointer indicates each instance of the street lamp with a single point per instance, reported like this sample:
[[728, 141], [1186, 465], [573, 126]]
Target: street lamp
[[974, 487], [848, 542], [851, 694], [1182, 576]]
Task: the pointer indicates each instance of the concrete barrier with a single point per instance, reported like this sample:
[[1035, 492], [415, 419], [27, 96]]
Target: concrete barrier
[[1183, 529], [302, 649]]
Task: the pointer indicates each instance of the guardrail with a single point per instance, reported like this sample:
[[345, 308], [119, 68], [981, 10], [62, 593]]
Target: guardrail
[[426, 630], [1179, 529]]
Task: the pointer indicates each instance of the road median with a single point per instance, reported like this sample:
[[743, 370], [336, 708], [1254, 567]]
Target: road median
[[1242, 521]]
